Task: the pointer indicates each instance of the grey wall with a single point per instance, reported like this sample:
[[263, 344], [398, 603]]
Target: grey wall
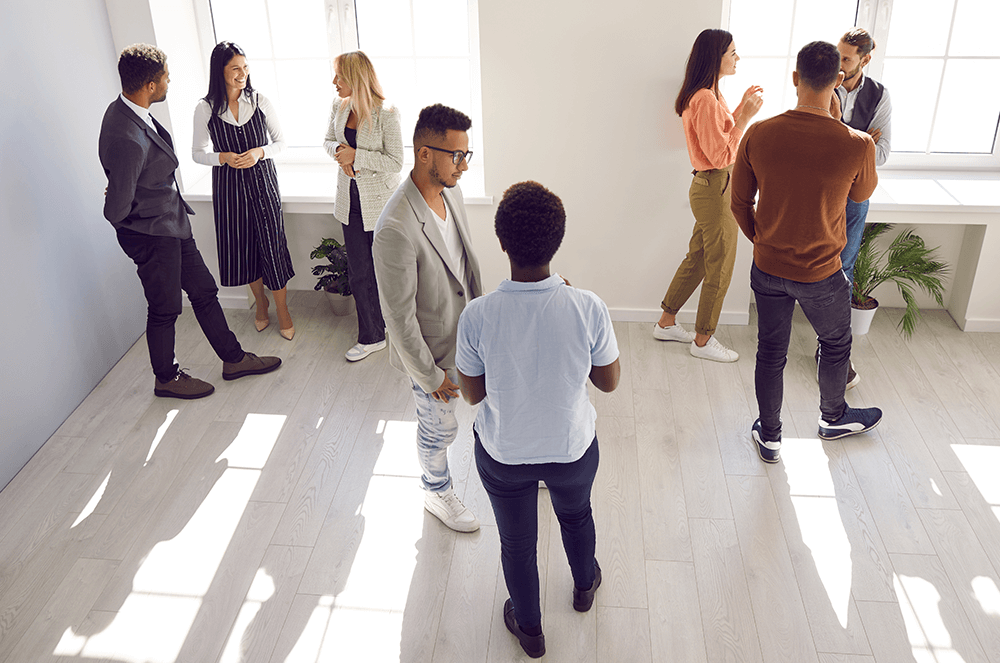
[[72, 304]]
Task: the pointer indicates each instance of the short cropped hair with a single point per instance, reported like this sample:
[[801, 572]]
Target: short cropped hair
[[139, 65], [530, 222], [860, 39], [818, 64], [436, 121]]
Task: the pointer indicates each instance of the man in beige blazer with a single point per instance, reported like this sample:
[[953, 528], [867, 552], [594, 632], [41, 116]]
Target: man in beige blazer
[[427, 272]]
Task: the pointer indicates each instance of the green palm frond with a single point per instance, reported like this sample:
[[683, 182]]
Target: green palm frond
[[907, 262]]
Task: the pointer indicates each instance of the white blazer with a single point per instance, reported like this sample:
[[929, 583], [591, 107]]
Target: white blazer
[[377, 161]]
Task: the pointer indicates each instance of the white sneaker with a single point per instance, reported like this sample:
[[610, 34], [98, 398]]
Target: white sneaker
[[672, 333], [714, 351], [360, 351], [447, 508]]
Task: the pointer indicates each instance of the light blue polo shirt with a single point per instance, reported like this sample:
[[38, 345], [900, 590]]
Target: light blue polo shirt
[[536, 343]]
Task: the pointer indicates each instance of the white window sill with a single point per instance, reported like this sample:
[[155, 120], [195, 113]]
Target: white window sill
[[937, 191], [312, 188]]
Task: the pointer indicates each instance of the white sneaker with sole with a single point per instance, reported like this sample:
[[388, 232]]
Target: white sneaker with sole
[[714, 351], [447, 508], [360, 351], [672, 333]]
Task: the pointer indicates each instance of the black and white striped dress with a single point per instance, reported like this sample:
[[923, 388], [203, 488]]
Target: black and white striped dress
[[249, 226]]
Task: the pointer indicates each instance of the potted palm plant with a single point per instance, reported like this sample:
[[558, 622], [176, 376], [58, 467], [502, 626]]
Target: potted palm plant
[[907, 262], [333, 278]]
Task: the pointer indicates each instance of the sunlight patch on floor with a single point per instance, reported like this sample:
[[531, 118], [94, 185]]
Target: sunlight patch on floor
[[919, 602], [168, 589], [814, 498]]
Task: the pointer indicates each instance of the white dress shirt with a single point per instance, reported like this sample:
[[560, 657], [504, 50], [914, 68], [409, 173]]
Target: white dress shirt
[[202, 140]]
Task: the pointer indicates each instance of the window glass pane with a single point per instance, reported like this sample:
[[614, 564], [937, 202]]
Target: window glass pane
[[305, 97], [827, 20], [398, 79], [913, 86], [772, 74], [962, 126], [441, 27], [444, 81], [761, 27], [245, 23], [384, 27], [975, 30], [919, 27], [298, 28], [263, 79]]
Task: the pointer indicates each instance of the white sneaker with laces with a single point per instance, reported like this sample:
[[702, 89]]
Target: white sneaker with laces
[[447, 508], [361, 350], [714, 351], [672, 333]]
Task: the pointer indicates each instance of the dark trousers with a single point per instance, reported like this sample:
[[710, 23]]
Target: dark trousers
[[361, 274], [827, 306], [513, 491], [167, 265]]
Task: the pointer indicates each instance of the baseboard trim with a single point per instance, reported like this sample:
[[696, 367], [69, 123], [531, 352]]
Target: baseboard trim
[[685, 317], [981, 325]]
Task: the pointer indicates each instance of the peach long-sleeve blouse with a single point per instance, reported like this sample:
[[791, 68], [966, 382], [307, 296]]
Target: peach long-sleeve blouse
[[710, 130]]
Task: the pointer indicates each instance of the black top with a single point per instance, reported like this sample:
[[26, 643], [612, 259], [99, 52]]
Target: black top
[[352, 137]]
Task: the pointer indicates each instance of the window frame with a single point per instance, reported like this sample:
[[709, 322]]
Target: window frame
[[875, 16]]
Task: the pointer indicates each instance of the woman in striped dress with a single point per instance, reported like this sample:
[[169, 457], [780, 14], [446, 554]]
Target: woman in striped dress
[[365, 139], [245, 136]]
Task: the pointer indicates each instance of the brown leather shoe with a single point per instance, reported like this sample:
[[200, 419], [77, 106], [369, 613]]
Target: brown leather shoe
[[251, 364], [182, 386], [533, 645]]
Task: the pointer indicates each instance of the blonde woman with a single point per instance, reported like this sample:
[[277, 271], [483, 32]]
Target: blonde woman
[[365, 139]]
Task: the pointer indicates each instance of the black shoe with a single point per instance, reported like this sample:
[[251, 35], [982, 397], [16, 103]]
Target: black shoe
[[584, 598], [852, 422], [769, 452], [533, 645], [182, 386], [251, 364]]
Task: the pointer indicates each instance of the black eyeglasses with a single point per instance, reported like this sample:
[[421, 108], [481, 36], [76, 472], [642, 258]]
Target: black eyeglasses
[[456, 156]]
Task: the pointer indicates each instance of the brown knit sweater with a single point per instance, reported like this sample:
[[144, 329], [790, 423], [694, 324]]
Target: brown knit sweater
[[805, 166]]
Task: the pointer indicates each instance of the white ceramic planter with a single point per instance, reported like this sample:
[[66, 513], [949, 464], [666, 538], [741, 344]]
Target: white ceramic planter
[[861, 320], [339, 304]]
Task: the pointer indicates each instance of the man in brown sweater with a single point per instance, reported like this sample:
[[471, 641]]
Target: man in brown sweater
[[805, 164]]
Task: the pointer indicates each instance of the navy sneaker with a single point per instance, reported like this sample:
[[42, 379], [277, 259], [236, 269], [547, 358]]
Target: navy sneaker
[[852, 422], [769, 452]]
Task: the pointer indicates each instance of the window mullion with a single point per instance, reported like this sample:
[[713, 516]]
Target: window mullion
[[944, 70]]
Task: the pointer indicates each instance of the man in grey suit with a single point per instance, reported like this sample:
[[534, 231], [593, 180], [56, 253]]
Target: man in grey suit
[[143, 204], [427, 273]]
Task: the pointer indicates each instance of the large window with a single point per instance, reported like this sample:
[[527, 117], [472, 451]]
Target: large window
[[938, 58], [424, 51]]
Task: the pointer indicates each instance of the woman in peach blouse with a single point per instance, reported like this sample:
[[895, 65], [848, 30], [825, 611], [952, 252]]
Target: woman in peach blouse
[[713, 134]]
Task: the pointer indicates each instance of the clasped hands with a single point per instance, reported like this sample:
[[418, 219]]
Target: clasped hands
[[247, 159], [345, 159]]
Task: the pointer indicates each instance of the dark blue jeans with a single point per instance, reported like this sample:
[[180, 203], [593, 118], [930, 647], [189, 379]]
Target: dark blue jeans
[[827, 306], [513, 491], [856, 215], [167, 265], [361, 274]]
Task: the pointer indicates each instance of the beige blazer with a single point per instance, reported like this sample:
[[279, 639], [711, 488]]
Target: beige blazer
[[420, 292], [377, 161]]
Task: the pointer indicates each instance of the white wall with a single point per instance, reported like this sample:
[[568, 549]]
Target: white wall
[[72, 304], [579, 96]]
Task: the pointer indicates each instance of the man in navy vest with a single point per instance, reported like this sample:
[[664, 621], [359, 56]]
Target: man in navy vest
[[863, 104]]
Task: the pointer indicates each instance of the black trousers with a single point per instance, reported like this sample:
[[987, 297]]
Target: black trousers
[[361, 274], [167, 265]]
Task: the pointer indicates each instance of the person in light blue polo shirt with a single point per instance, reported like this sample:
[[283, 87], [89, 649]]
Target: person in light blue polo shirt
[[525, 352]]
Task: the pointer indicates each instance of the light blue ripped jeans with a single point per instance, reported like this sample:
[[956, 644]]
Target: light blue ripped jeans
[[437, 428]]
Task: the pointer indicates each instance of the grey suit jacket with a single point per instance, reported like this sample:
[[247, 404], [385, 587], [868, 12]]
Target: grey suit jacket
[[140, 163], [420, 292]]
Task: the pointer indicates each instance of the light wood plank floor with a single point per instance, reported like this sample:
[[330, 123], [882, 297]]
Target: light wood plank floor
[[281, 519]]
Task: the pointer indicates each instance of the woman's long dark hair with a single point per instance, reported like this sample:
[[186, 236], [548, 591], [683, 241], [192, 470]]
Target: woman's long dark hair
[[703, 65], [223, 52]]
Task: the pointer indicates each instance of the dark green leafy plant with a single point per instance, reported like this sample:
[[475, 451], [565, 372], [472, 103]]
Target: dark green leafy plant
[[907, 263], [332, 276]]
